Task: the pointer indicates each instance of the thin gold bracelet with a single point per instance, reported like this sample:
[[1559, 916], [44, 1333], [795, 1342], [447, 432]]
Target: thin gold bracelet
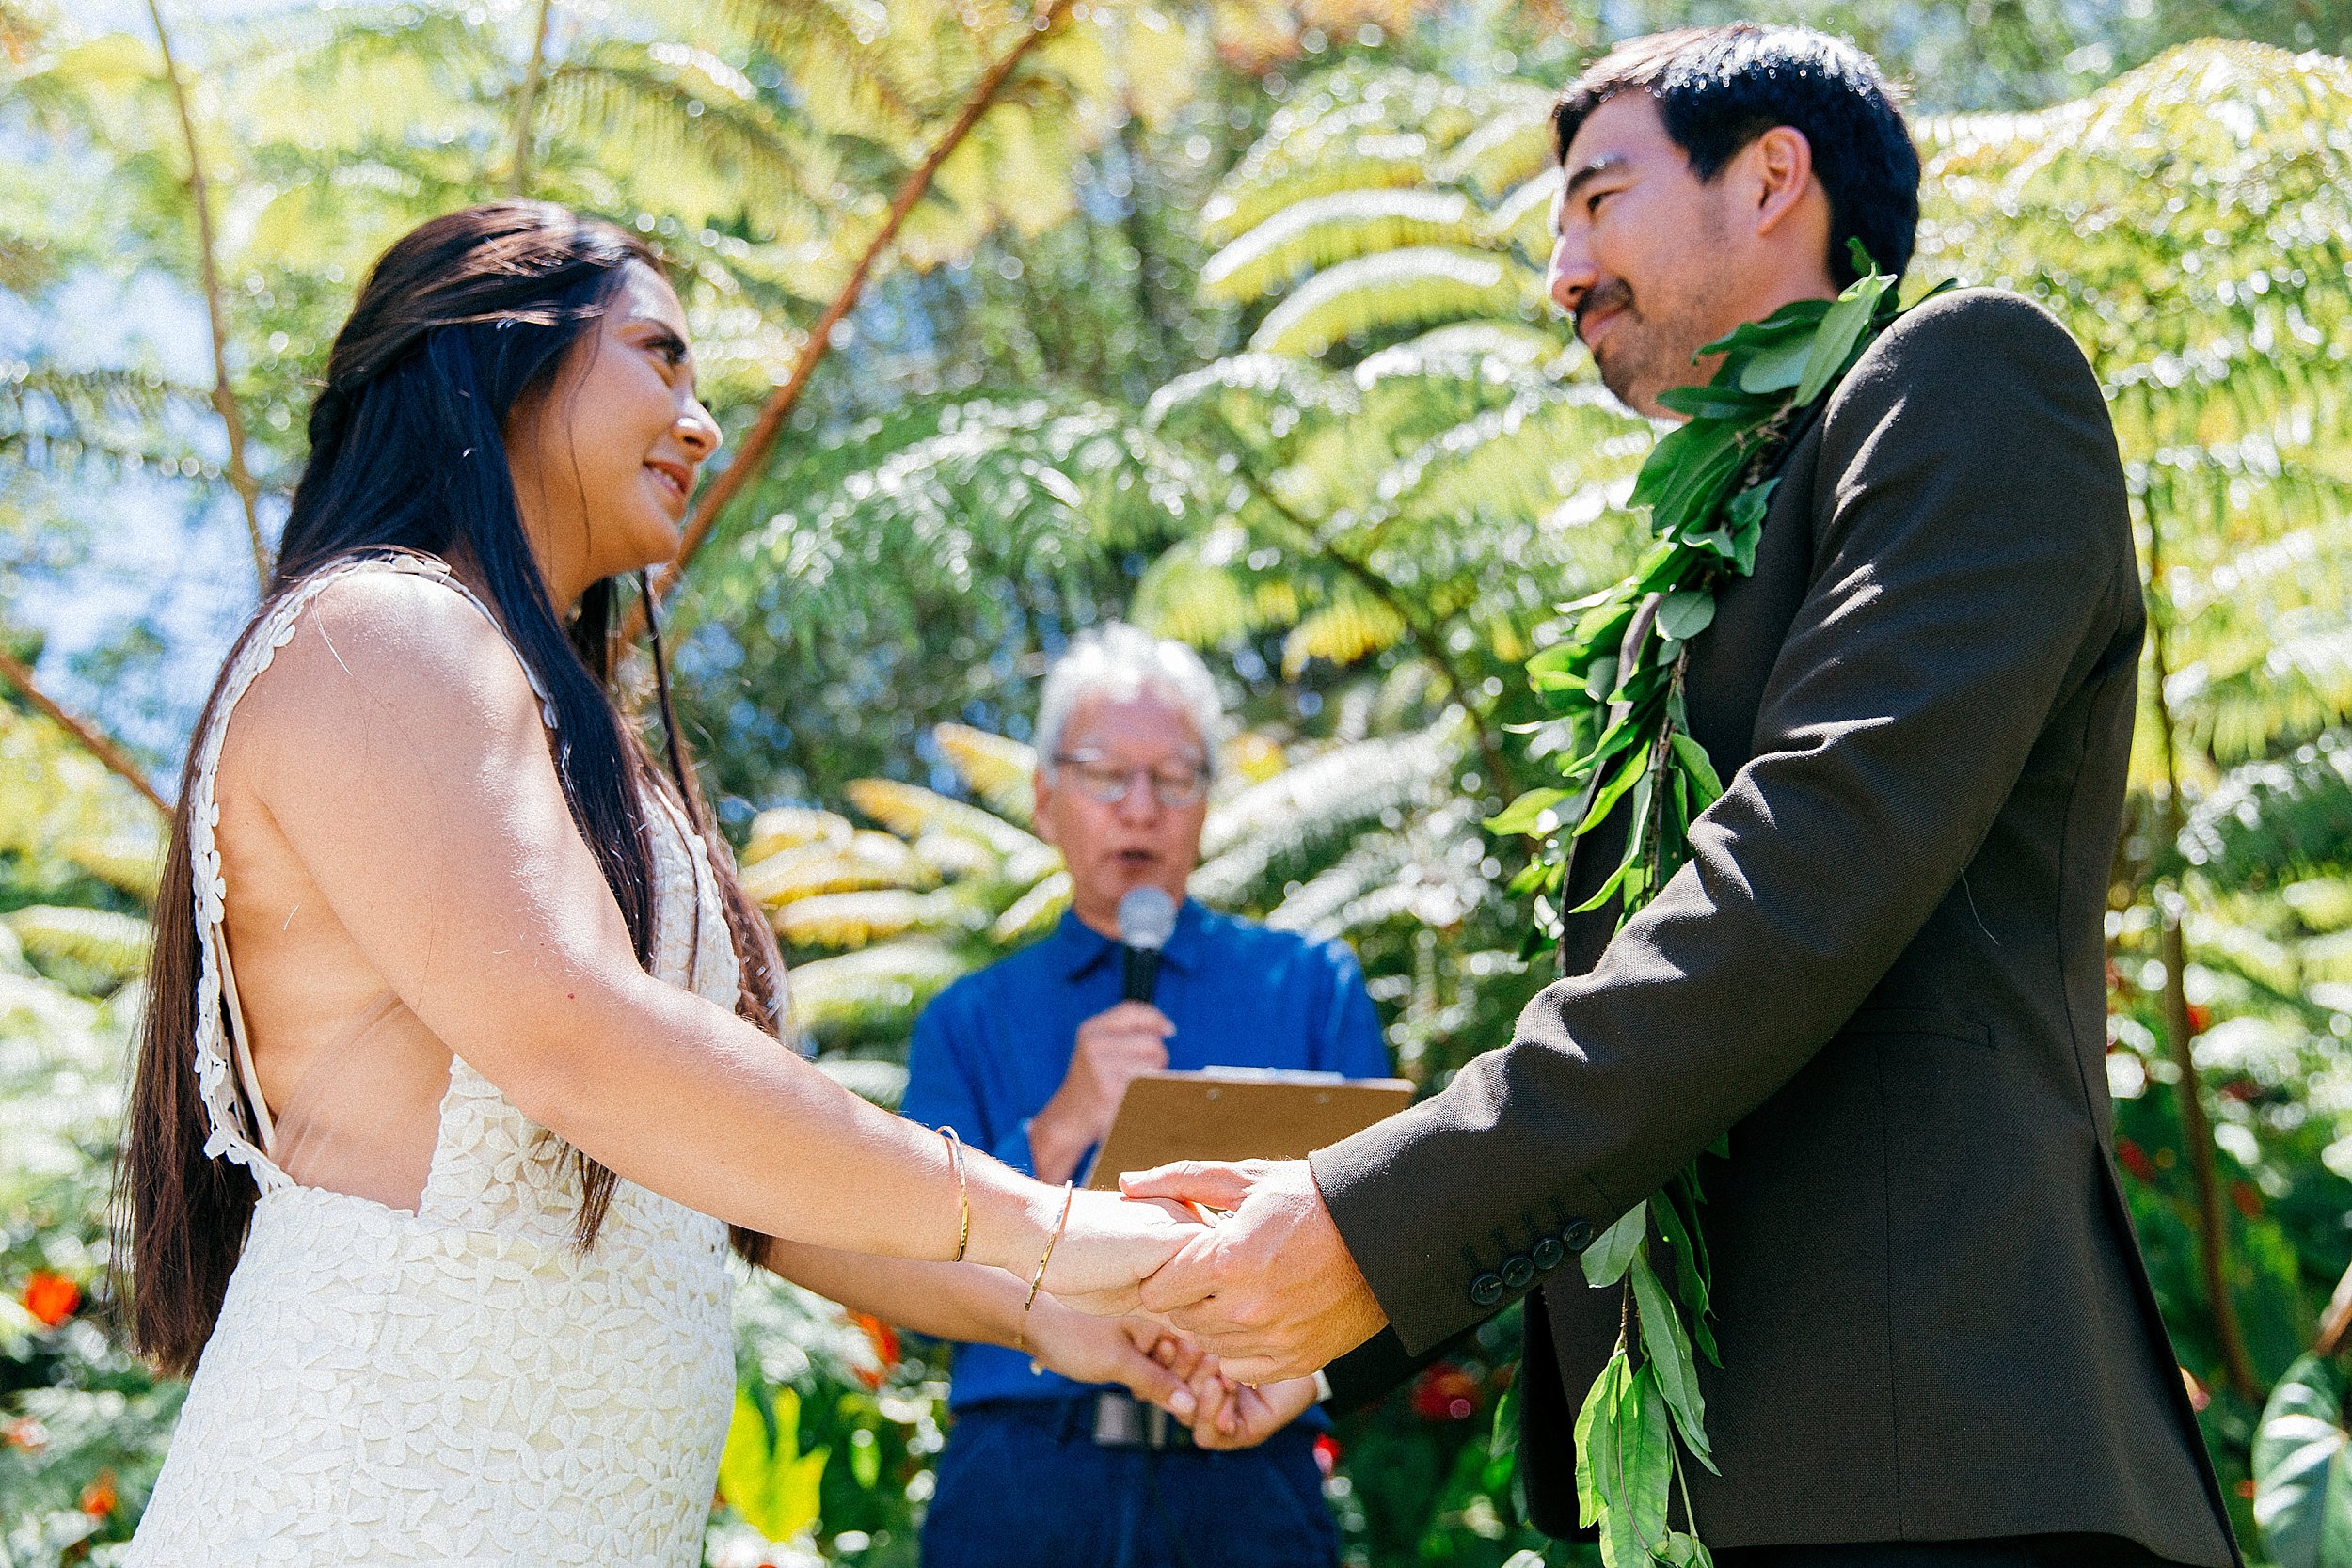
[[1021, 1335], [964, 1192]]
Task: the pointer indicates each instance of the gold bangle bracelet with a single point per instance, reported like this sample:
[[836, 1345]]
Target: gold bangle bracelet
[[1021, 1335], [963, 1193]]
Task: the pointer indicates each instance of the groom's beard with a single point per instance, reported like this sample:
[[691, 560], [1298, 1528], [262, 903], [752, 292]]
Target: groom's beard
[[1646, 352]]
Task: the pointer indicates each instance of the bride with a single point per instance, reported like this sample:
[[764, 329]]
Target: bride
[[498, 1051]]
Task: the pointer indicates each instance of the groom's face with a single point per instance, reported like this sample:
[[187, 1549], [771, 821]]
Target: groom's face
[[1644, 259]]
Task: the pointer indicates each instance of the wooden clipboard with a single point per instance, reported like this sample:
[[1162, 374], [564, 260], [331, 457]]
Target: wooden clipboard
[[1238, 1113]]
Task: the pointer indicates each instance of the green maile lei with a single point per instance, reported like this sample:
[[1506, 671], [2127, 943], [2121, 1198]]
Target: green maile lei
[[1618, 682]]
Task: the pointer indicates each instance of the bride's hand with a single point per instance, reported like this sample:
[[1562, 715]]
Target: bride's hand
[[1154, 1364], [1111, 1246]]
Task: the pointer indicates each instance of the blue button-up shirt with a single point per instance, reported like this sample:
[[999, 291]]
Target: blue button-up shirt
[[991, 1048]]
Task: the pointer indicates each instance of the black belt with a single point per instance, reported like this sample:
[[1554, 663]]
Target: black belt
[[1109, 1419]]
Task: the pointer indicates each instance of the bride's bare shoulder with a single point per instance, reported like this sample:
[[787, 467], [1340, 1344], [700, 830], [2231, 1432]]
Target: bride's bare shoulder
[[388, 657]]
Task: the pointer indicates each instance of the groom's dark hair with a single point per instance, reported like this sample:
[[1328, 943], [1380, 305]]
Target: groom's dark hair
[[1719, 88]]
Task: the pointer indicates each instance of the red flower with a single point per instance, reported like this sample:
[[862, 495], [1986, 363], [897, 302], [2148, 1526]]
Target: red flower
[[884, 1339], [1327, 1453], [2249, 1201], [51, 1297], [2135, 1160], [98, 1497], [2200, 1018], [1445, 1393]]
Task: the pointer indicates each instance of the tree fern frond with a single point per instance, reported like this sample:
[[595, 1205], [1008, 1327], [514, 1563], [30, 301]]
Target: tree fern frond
[[783, 827], [1298, 812], [1001, 772], [1354, 625], [1511, 148], [1200, 591], [2274, 823], [910, 810], [1523, 220], [1320, 231], [874, 993], [114, 945], [1033, 913], [853, 920], [678, 103], [844, 50], [869, 861], [1395, 289]]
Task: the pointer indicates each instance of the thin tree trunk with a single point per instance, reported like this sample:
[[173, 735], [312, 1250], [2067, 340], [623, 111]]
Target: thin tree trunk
[[761, 438], [2180, 1035], [525, 101], [93, 740], [224, 400]]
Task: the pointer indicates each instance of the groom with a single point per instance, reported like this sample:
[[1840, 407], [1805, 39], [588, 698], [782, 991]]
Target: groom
[[1881, 972]]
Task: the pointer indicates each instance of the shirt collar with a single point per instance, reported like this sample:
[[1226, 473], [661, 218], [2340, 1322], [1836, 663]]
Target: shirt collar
[[1080, 946]]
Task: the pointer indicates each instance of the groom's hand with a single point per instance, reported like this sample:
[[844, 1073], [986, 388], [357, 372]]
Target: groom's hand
[[1270, 1288]]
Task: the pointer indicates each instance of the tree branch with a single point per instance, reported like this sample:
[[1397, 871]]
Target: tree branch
[[526, 99], [2180, 1034], [224, 400], [761, 438], [91, 738]]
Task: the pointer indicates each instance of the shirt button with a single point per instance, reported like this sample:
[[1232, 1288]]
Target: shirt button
[[1517, 1271], [1486, 1289], [1578, 1236], [1549, 1253]]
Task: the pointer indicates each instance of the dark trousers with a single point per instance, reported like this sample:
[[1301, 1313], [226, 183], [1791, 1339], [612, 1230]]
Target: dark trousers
[[2024, 1551], [1023, 1484]]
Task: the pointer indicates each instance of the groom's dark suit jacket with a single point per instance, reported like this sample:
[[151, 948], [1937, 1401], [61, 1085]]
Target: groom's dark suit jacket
[[1883, 973]]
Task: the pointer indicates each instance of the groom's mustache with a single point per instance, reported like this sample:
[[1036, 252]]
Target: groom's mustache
[[1604, 297]]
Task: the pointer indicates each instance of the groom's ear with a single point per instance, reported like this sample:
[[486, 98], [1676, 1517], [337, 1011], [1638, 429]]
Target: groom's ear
[[1775, 180]]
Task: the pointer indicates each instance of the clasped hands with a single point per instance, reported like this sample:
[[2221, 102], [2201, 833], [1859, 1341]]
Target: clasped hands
[[1243, 1267]]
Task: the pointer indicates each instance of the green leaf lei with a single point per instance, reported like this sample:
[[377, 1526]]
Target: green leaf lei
[[1617, 681]]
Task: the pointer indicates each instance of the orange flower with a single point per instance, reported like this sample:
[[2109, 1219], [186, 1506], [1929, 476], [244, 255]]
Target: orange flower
[[98, 1497], [51, 1297], [26, 1434], [884, 1339]]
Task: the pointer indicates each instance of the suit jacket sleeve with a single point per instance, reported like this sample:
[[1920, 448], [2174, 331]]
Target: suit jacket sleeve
[[1972, 557]]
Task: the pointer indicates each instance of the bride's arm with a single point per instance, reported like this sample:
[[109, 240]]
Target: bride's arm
[[952, 1301], [395, 743]]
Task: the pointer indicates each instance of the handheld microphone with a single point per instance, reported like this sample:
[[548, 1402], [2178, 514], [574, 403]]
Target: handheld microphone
[[1147, 918]]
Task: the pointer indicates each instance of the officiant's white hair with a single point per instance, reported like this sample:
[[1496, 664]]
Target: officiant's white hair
[[1117, 661]]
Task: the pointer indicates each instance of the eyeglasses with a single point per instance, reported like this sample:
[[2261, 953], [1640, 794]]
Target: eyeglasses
[[1106, 782]]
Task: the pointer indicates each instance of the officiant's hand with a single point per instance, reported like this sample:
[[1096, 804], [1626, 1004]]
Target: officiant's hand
[[1230, 1415], [1115, 1047], [1269, 1288]]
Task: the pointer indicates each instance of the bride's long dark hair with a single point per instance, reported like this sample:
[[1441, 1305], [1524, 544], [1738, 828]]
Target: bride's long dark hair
[[460, 318]]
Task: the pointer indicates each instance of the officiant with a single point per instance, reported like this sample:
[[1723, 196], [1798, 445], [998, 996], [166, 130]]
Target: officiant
[[1028, 1060]]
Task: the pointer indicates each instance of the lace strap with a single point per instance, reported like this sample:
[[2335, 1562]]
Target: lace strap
[[235, 1112]]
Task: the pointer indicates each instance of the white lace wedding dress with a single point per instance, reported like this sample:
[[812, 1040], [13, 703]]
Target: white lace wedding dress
[[460, 1384]]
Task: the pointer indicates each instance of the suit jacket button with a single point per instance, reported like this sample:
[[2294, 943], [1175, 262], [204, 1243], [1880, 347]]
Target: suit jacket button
[[1486, 1289], [1517, 1271], [1578, 1236], [1549, 1253]]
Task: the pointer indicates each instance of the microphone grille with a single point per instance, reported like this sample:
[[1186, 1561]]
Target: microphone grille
[[1147, 917]]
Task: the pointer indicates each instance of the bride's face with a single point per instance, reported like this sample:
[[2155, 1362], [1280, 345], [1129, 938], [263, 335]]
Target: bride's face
[[604, 459]]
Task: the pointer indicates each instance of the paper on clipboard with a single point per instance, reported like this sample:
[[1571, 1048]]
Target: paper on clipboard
[[1238, 1113]]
